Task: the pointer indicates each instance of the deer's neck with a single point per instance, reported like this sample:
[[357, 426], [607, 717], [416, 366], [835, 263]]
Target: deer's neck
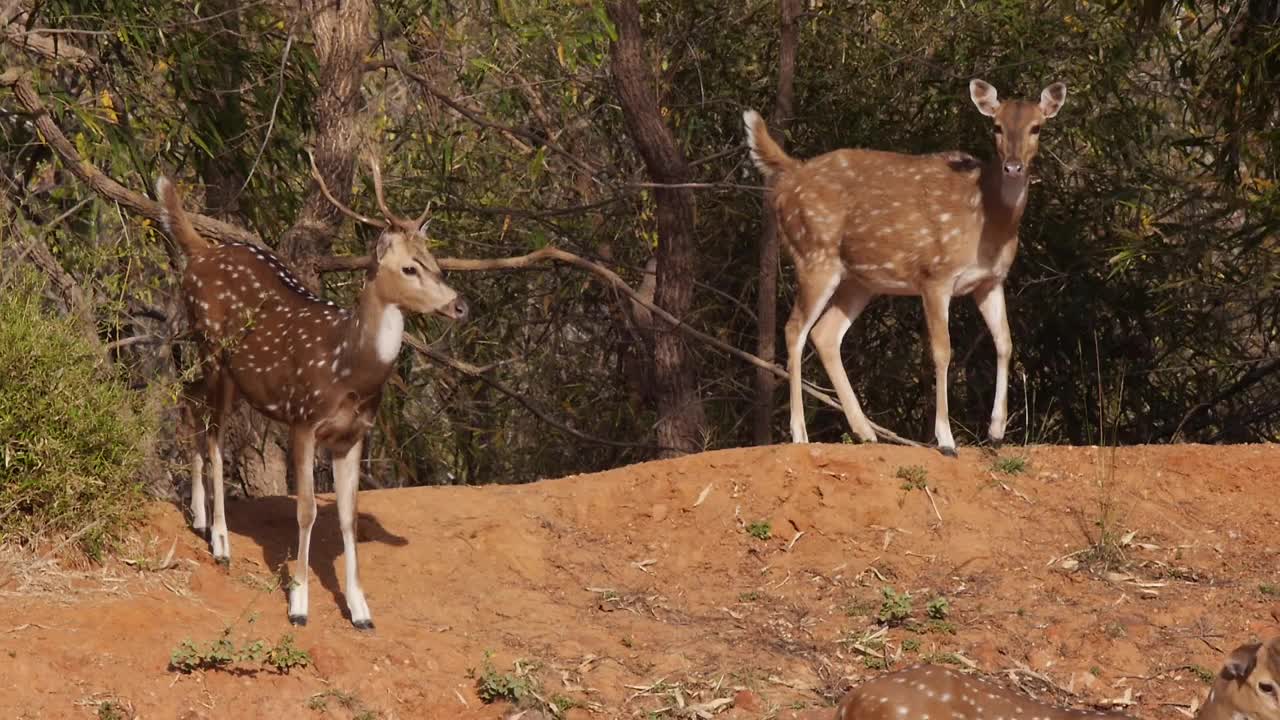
[[1003, 198], [1218, 705], [373, 337]]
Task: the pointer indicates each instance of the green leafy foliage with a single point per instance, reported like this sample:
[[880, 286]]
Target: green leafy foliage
[[760, 529], [73, 435], [895, 608], [223, 652]]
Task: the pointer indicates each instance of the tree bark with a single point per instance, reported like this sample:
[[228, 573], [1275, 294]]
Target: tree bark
[[681, 420], [767, 291], [343, 38]]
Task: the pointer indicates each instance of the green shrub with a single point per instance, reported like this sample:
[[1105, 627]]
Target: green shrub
[[73, 436]]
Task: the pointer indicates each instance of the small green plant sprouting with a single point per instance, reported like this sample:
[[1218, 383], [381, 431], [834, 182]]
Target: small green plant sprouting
[[948, 658], [896, 607], [911, 645], [1115, 631], [560, 704], [913, 477], [1269, 590], [112, 710], [1205, 674], [760, 530], [941, 627], [320, 701], [873, 663], [1095, 671], [1013, 465], [281, 657], [749, 596], [517, 688], [938, 608]]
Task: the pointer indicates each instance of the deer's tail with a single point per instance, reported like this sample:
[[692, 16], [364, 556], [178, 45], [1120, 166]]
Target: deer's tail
[[175, 218], [768, 156]]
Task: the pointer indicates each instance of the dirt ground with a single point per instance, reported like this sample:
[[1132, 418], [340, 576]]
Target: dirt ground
[[1090, 577]]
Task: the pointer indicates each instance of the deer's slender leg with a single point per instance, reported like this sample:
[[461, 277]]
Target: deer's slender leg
[[302, 451], [346, 482], [937, 306], [223, 392], [193, 418], [991, 305], [815, 290], [850, 300]]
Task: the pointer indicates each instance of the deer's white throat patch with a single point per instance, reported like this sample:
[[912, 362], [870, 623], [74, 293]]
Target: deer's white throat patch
[[390, 333]]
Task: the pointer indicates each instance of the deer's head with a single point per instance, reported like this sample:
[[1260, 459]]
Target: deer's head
[[1248, 686], [403, 271], [407, 275], [1017, 125]]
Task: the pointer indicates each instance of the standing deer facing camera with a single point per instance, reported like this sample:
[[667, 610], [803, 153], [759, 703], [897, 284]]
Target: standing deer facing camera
[[1245, 689], [301, 361], [861, 223]]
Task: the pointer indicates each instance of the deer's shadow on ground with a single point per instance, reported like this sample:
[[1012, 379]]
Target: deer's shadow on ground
[[272, 523]]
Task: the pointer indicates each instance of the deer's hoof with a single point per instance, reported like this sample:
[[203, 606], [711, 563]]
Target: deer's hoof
[[299, 620], [997, 443], [224, 561], [948, 451], [363, 624]]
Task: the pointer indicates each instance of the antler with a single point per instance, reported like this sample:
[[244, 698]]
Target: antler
[[392, 219], [324, 188], [403, 223]]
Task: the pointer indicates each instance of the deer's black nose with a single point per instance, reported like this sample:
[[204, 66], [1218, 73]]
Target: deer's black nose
[[1013, 167]]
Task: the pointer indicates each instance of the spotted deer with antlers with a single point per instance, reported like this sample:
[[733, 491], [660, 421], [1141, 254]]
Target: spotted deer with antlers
[[301, 361], [859, 223], [1247, 688]]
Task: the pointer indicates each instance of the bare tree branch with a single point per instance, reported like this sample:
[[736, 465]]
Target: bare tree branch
[[525, 262], [101, 183], [39, 43], [478, 373], [478, 119]]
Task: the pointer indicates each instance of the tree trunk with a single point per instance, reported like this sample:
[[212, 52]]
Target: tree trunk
[[767, 292], [343, 38], [680, 416]]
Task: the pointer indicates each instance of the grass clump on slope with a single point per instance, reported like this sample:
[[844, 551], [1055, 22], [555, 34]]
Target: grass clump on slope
[[73, 435]]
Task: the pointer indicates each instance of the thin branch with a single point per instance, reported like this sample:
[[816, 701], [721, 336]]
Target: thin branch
[[101, 183], [524, 262], [275, 106], [41, 43], [478, 373], [482, 121]]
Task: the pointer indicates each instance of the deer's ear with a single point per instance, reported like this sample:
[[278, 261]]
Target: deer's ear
[[1241, 661], [382, 246], [422, 229], [984, 96], [1052, 98]]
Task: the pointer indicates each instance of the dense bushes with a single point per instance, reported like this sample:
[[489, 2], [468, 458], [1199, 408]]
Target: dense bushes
[[73, 436]]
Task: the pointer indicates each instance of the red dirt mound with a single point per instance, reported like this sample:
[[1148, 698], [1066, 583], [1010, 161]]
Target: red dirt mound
[[741, 583]]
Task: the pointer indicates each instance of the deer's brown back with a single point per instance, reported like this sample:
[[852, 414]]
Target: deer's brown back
[[930, 692], [891, 219], [280, 342]]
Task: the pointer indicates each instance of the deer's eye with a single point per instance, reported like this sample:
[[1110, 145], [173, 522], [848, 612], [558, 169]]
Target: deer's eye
[[999, 130], [1267, 688], [1035, 129], [410, 270]]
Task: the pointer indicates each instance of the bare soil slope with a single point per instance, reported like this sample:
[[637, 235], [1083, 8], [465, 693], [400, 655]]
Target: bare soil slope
[[639, 591]]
